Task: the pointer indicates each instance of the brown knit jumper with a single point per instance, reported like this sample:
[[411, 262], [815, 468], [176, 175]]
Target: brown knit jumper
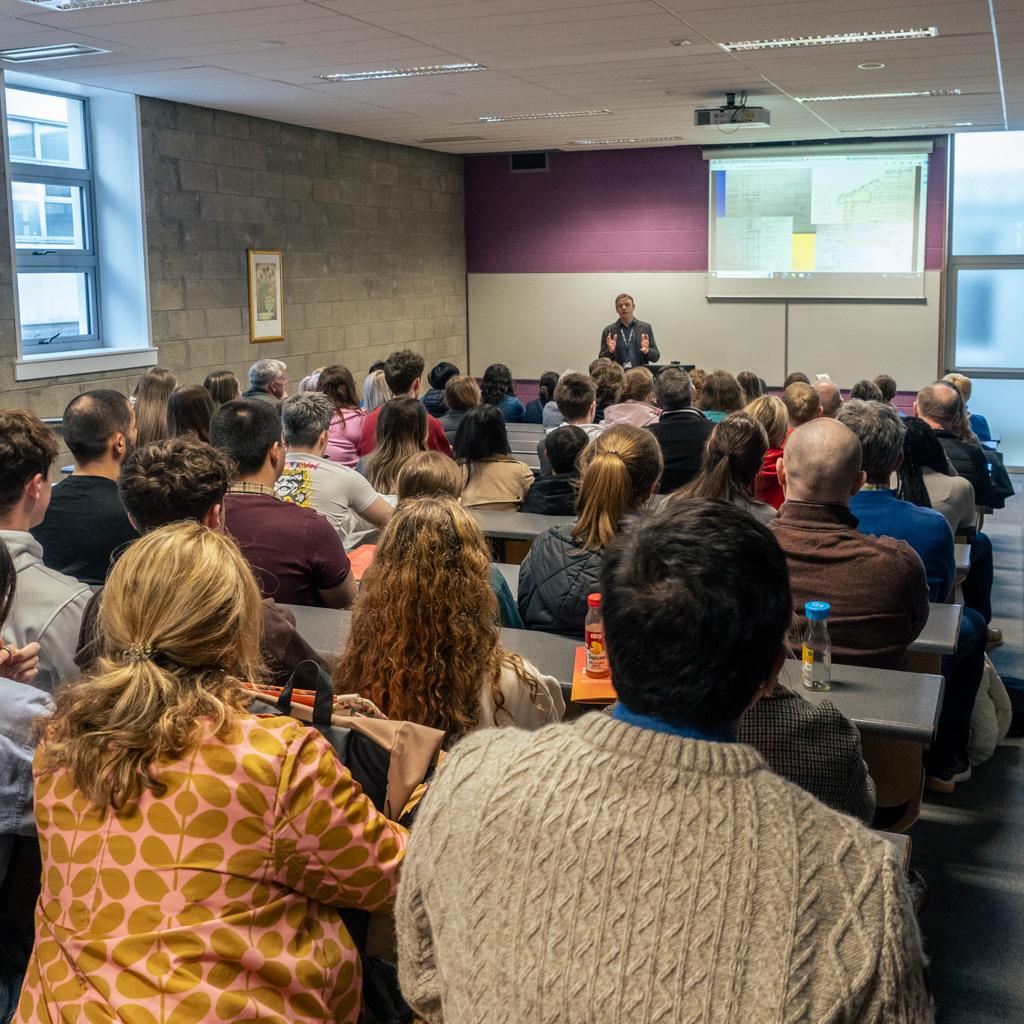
[[599, 872]]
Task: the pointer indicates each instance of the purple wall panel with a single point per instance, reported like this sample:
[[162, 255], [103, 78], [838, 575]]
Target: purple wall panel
[[612, 212]]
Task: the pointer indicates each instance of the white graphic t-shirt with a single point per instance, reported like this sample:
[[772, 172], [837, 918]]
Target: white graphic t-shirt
[[322, 485]]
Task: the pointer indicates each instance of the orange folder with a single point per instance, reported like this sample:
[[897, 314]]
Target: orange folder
[[586, 690], [361, 558]]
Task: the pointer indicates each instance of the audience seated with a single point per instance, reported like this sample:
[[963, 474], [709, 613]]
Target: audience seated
[[926, 478], [85, 524], [402, 373], [50, 605], [498, 389], [437, 379], [150, 404], [876, 586], [310, 479], [239, 837], [296, 554], [887, 385], [879, 512], [223, 387], [20, 866], [402, 428], [978, 424], [802, 403], [682, 430], [651, 840], [461, 394], [772, 414], [268, 381], [940, 406], [310, 381], [636, 403], [491, 478], [750, 385], [337, 383], [545, 394], [576, 400], [794, 377], [610, 379], [697, 378], [428, 474], [831, 397], [619, 472], [866, 391], [184, 479], [424, 639], [555, 495], [720, 395], [375, 393], [732, 459], [189, 408]]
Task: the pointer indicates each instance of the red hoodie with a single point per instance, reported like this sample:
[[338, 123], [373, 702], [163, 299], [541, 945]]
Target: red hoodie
[[766, 485]]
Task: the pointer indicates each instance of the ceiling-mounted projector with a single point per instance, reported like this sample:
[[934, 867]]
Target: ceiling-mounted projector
[[732, 113]]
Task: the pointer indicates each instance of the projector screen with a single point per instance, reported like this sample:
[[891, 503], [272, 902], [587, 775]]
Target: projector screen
[[832, 224]]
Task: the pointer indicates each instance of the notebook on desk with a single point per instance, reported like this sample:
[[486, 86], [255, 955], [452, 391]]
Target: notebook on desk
[[586, 690]]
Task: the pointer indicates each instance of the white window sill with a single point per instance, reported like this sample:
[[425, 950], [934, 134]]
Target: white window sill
[[94, 360]]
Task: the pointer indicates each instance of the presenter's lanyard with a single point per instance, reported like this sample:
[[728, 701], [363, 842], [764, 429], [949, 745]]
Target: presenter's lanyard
[[627, 341]]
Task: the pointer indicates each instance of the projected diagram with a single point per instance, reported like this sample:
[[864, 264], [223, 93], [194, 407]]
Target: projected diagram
[[842, 217]]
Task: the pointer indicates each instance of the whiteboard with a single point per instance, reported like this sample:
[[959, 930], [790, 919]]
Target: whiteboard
[[539, 322]]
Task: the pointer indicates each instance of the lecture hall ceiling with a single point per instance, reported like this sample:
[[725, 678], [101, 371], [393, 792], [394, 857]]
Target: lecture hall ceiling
[[649, 63]]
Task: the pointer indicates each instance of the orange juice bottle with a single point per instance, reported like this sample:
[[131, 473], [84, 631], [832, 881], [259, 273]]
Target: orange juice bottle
[[593, 626]]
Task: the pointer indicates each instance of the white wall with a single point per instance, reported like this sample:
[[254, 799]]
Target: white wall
[[538, 322]]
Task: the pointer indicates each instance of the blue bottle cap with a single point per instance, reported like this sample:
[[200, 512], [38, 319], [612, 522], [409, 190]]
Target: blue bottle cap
[[817, 609]]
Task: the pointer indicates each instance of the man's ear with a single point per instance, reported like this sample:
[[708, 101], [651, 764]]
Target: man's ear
[[916, 413], [34, 486], [134, 524], [214, 517], [780, 469], [859, 481]]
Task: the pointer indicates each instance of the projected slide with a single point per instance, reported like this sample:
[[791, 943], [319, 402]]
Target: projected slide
[[836, 226]]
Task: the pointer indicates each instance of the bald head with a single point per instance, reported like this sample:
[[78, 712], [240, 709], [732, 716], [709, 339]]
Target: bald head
[[938, 404], [821, 463], [831, 399]]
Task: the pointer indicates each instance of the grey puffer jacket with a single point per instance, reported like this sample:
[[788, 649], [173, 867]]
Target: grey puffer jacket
[[555, 580]]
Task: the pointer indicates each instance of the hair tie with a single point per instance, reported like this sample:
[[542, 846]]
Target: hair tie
[[137, 653], [614, 451]]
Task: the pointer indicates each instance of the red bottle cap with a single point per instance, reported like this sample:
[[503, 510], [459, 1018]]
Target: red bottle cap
[[594, 601]]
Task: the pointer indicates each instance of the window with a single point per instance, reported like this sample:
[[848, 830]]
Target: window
[[54, 221]]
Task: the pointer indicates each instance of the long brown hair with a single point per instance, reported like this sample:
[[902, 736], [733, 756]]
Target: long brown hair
[[429, 473], [721, 392], [338, 384], [223, 387], [181, 622], [750, 383], [155, 387], [401, 432], [619, 469], [189, 408], [424, 635], [638, 386], [732, 459]]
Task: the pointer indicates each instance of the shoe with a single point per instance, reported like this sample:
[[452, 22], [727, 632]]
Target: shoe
[[920, 892], [995, 639], [944, 780]]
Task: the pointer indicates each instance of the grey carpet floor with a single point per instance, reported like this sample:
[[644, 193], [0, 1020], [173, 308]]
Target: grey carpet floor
[[970, 844]]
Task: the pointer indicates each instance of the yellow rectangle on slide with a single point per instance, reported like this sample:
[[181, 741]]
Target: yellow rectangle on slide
[[803, 252]]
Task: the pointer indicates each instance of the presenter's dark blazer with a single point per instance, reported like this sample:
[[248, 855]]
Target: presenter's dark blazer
[[653, 356]]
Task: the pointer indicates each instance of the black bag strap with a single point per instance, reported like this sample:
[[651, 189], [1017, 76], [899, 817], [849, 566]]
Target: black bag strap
[[308, 675]]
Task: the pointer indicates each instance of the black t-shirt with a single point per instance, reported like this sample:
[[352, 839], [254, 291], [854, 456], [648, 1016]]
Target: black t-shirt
[[84, 525]]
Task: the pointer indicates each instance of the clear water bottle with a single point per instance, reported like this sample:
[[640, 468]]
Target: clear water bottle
[[817, 648], [593, 627]]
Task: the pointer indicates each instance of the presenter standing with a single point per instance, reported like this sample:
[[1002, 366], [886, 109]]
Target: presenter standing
[[629, 341]]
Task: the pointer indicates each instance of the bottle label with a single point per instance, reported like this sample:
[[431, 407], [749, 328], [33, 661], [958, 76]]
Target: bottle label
[[808, 666], [597, 655]]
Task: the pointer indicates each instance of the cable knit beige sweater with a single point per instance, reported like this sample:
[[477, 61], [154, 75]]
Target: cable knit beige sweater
[[598, 872]]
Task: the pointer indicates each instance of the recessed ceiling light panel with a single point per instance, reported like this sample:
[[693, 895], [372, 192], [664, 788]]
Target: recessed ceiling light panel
[[848, 37], [434, 69], [908, 127], [871, 65], [454, 138], [622, 142], [541, 117], [27, 54], [876, 96]]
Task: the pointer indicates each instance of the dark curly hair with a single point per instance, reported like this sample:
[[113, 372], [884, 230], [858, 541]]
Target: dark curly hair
[[497, 384]]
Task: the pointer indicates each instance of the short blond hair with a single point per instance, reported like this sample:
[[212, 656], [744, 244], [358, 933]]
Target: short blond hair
[[773, 415], [802, 402]]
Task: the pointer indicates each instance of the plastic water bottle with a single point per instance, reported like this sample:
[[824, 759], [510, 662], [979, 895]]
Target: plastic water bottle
[[817, 647], [593, 628]]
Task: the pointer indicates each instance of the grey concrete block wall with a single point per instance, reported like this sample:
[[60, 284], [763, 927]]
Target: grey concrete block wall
[[371, 234]]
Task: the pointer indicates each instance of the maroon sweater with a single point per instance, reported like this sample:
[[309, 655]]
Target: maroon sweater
[[876, 585]]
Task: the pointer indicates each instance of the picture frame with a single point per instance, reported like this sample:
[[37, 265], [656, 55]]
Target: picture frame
[[266, 295]]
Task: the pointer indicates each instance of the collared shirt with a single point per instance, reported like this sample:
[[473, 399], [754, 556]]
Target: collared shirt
[[630, 343], [247, 487], [723, 734]]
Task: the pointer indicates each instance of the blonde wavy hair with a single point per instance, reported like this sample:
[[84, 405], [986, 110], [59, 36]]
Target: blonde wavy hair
[[181, 625], [424, 634], [772, 414]]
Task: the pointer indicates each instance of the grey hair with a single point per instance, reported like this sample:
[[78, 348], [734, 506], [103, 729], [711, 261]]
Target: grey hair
[[673, 388], [265, 371], [304, 417], [881, 433]]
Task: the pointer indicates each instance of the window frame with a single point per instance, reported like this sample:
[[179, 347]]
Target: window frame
[[954, 264], [83, 261]]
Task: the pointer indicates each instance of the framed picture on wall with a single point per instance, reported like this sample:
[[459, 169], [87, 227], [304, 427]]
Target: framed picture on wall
[[266, 305]]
